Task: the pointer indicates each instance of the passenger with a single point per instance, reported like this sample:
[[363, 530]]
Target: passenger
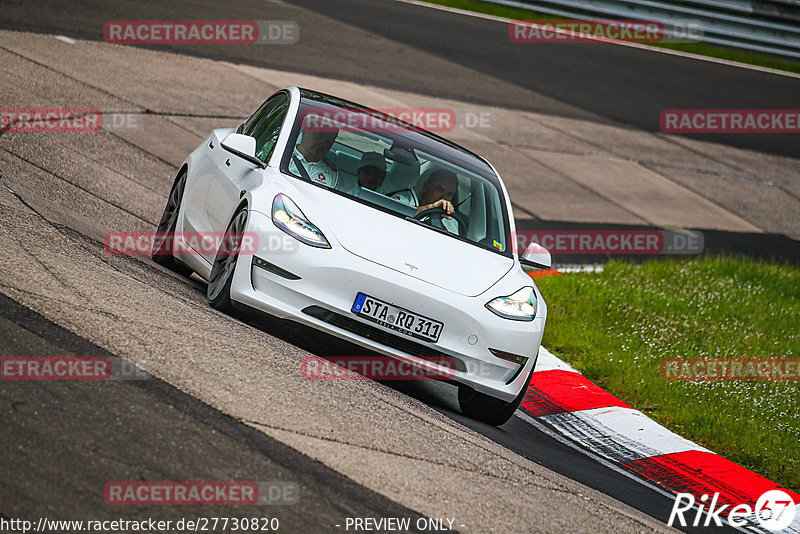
[[308, 157], [371, 174], [371, 170]]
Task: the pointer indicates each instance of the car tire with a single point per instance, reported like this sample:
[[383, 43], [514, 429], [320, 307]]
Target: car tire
[[218, 292], [488, 409], [165, 233]]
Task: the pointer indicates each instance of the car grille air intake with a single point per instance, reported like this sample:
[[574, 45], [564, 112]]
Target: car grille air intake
[[379, 336]]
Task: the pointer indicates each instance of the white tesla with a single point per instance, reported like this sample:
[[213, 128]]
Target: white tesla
[[370, 229]]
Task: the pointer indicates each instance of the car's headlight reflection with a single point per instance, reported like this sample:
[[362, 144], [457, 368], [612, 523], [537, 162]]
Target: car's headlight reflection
[[521, 306], [289, 218]]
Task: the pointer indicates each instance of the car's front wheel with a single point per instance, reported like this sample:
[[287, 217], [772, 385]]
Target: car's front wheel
[[488, 409], [219, 283]]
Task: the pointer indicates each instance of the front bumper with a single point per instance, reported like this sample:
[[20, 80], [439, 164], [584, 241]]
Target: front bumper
[[322, 288]]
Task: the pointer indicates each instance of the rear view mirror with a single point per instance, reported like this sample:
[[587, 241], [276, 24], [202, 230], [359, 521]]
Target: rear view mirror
[[536, 256], [401, 155], [243, 146]]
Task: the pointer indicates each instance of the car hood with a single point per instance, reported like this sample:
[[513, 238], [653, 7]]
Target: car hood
[[408, 248]]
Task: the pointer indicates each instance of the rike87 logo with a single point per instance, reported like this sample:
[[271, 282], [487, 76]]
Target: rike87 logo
[[774, 510]]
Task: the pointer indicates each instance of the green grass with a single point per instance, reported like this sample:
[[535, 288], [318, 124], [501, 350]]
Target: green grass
[[616, 327], [721, 52]]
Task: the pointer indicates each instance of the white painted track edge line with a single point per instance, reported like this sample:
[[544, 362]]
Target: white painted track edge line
[[688, 55], [642, 436], [547, 361], [538, 425], [545, 429], [541, 427]]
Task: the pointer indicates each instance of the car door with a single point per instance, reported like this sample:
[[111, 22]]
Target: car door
[[233, 175]]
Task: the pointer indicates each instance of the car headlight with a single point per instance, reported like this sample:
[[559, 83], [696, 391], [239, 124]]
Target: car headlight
[[521, 306], [288, 217]]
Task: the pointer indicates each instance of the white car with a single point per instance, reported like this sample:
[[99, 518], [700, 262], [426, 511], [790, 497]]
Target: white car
[[354, 255]]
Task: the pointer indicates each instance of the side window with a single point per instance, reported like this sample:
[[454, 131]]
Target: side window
[[265, 125]]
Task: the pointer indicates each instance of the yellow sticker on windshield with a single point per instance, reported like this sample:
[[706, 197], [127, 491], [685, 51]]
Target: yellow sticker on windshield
[[497, 244]]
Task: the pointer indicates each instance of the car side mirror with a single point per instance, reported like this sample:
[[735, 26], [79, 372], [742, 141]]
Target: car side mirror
[[243, 146], [536, 256]]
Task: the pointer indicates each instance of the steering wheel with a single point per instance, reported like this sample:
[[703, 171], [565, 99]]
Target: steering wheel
[[439, 213]]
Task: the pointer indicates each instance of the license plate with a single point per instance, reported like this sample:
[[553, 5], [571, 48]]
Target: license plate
[[399, 319]]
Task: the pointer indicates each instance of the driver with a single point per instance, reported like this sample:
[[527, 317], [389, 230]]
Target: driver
[[438, 192], [307, 158]]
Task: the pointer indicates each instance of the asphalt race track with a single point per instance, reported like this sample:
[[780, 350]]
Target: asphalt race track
[[143, 429], [437, 53], [223, 399]]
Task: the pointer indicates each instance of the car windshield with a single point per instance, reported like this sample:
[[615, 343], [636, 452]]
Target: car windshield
[[394, 167]]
